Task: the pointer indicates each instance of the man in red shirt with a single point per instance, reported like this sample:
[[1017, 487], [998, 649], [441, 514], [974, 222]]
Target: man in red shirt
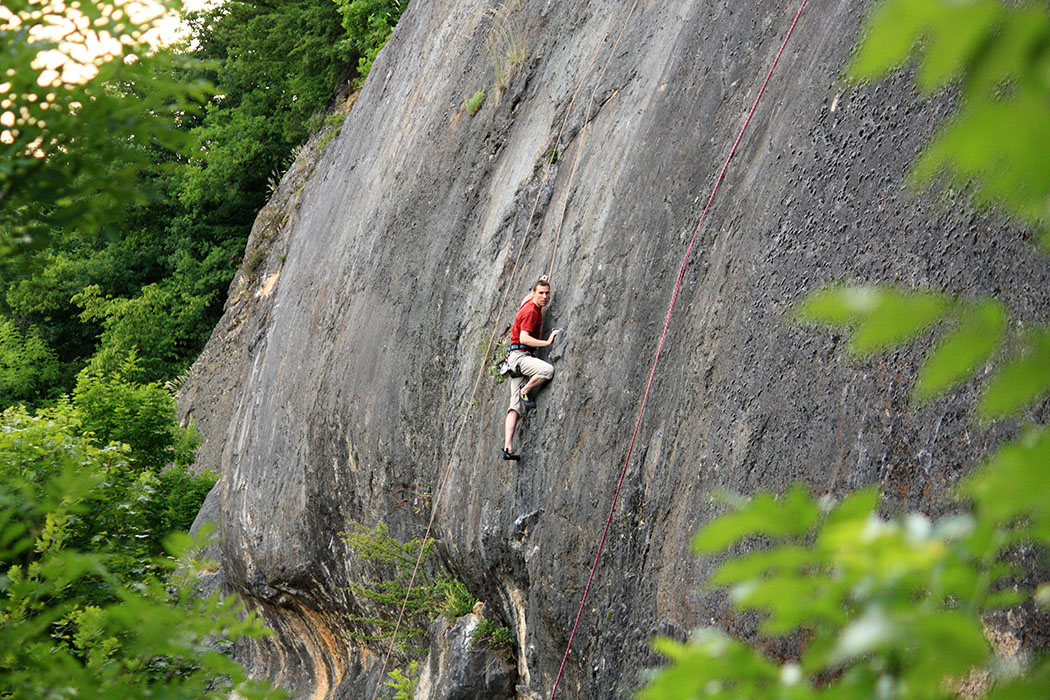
[[525, 336]]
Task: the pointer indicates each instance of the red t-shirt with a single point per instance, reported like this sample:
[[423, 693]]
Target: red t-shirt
[[529, 318]]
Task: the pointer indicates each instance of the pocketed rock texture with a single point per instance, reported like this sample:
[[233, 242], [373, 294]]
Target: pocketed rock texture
[[334, 387]]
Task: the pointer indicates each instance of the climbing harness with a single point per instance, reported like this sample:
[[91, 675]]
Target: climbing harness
[[660, 345], [508, 370]]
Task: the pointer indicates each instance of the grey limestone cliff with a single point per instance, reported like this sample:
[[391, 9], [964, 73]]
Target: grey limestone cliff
[[335, 383]]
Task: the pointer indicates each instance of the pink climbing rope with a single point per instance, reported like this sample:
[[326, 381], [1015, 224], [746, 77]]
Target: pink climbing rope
[[660, 345]]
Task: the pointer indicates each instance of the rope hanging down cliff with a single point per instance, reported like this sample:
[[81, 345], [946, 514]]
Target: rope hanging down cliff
[[442, 482], [660, 345], [439, 490]]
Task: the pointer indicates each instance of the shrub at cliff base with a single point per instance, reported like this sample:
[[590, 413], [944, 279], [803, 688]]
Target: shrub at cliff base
[[96, 596]]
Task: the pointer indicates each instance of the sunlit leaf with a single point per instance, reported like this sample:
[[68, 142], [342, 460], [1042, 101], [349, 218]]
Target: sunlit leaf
[[1008, 170], [1033, 685], [900, 317], [1022, 381], [890, 35], [1013, 484], [880, 316], [960, 30], [761, 563], [946, 643], [1022, 35], [839, 306], [1003, 600], [793, 514], [858, 506], [710, 661], [960, 353], [868, 633]]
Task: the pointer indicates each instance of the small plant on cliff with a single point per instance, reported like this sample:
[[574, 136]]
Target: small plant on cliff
[[474, 102], [493, 634], [395, 560], [458, 600], [403, 684], [505, 41], [495, 359]]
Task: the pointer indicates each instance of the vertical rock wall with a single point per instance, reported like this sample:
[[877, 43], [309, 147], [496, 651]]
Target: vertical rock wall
[[333, 388]]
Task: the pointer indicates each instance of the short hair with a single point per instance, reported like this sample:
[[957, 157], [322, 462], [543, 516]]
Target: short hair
[[541, 282]]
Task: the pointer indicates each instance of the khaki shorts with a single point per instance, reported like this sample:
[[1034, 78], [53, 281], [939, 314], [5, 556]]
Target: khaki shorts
[[529, 367]]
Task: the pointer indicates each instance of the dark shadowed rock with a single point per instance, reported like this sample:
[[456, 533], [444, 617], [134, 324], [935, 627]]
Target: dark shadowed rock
[[336, 382]]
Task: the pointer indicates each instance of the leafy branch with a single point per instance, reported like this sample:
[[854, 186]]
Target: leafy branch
[[429, 596]]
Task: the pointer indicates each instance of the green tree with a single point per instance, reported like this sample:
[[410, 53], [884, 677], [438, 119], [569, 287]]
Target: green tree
[[98, 598], [160, 326], [128, 512], [895, 608], [158, 638], [368, 24], [427, 597], [92, 605], [113, 406], [177, 205], [73, 149], [28, 367], [274, 67]]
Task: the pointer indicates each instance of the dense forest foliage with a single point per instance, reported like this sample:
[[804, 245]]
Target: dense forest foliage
[[152, 278], [127, 193]]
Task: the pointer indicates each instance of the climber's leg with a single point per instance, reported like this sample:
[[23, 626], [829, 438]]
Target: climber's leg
[[510, 426]]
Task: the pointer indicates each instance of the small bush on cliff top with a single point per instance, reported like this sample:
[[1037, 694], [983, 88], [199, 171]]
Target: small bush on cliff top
[[493, 634], [894, 609]]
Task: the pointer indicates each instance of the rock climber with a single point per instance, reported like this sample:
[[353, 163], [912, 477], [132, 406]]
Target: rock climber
[[527, 372]]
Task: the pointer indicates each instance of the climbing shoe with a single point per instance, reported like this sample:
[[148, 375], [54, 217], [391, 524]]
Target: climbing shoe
[[528, 402], [512, 456]]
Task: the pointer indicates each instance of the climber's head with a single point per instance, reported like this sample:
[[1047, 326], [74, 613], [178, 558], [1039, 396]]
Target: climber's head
[[541, 292]]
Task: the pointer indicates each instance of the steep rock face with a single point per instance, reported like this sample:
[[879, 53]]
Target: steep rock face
[[336, 381]]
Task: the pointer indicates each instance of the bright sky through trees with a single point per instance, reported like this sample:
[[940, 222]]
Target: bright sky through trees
[[80, 45]]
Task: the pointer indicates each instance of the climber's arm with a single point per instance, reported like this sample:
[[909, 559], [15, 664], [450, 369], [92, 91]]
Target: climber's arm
[[527, 339]]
